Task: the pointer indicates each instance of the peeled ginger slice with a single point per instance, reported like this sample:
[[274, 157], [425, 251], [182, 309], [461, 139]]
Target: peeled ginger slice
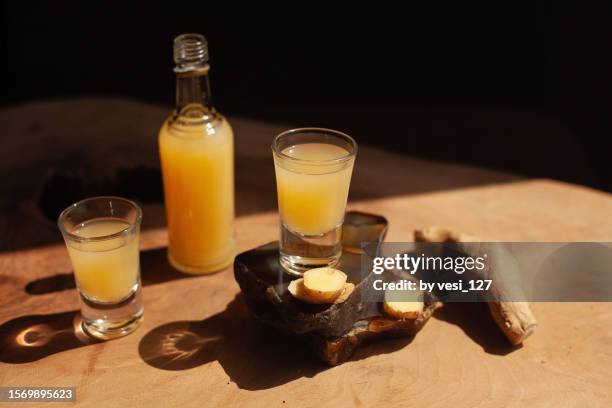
[[324, 284], [409, 309]]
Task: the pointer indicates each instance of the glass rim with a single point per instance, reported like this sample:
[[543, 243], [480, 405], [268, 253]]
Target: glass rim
[[316, 130], [124, 231]]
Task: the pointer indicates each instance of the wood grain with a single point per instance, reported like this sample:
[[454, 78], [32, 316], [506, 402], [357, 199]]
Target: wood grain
[[198, 346]]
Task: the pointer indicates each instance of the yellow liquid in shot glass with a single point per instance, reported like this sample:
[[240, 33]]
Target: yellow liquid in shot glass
[[105, 270], [312, 197]]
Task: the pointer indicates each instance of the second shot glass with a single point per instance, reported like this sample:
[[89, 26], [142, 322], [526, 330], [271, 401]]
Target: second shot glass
[[313, 174], [101, 235]]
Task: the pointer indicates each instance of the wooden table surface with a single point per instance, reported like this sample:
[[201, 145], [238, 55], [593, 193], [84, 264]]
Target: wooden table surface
[[219, 355]]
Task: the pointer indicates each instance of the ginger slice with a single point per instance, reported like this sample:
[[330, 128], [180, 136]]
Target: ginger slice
[[324, 284], [408, 309], [297, 290], [403, 310]]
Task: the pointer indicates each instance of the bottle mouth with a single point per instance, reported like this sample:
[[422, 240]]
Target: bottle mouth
[[190, 49]]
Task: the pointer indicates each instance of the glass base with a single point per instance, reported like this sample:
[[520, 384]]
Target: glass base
[[213, 267], [105, 330], [107, 321], [299, 253], [297, 265]]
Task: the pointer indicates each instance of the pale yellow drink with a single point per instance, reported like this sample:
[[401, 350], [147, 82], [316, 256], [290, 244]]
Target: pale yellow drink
[[106, 270], [311, 196], [198, 170]]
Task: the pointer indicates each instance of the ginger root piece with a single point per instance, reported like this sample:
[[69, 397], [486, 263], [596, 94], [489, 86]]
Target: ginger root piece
[[298, 291], [324, 284], [515, 319]]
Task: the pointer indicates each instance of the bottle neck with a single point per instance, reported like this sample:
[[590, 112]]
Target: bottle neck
[[193, 97]]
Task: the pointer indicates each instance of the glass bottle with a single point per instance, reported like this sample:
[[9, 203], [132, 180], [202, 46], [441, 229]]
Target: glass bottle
[[196, 146]]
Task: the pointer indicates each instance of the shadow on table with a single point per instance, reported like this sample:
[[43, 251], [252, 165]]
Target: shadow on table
[[254, 356], [476, 321], [30, 338], [154, 266]]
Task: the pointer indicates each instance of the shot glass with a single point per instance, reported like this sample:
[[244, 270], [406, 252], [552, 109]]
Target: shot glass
[[101, 234], [313, 174]]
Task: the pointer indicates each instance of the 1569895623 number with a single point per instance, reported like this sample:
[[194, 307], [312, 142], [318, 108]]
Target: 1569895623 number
[[39, 394]]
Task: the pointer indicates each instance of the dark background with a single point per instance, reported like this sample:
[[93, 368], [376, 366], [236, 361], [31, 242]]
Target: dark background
[[518, 87]]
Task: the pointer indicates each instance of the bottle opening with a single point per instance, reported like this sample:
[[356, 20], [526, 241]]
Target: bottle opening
[[190, 49]]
